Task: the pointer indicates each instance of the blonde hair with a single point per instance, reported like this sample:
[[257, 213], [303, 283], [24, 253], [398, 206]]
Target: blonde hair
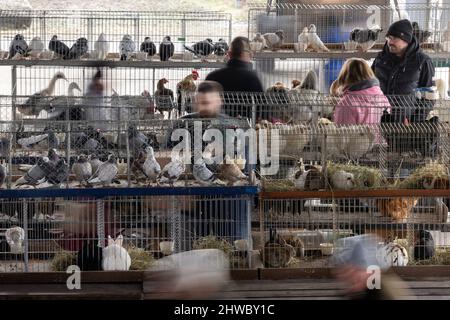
[[353, 71]]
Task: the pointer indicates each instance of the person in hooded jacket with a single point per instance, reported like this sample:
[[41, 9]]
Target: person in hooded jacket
[[402, 67]]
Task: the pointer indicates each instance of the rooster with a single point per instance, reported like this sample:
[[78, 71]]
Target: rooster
[[164, 99], [186, 86]]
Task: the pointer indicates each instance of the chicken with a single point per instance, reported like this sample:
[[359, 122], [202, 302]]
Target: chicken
[[314, 42], [164, 98], [186, 87]]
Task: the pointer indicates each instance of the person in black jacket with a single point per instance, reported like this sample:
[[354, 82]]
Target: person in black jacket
[[238, 76], [402, 67]]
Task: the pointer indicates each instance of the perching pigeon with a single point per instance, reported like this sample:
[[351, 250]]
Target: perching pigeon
[[59, 174], [166, 49], [365, 38], [148, 47], [78, 49], [101, 47], [151, 167], [314, 41], [274, 40], [95, 162], [18, 47], [203, 175], [303, 37], [127, 47], [136, 140], [106, 173], [4, 147], [421, 35], [36, 46], [53, 156], [82, 169], [37, 173], [230, 172], [221, 48], [172, 171], [58, 46], [201, 49]]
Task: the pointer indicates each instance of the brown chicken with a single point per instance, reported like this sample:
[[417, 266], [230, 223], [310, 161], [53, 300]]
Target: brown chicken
[[187, 85], [164, 99]]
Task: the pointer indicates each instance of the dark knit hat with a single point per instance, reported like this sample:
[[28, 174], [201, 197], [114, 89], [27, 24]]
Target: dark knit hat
[[401, 29]]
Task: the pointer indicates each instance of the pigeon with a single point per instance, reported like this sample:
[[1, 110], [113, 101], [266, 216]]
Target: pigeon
[[172, 171], [127, 47], [106, 173], [59, 174], [260, 39], [101, 47], [137, 165], [151, 167], [274, 40], [201, 49], [365, 38], [3, 174], [82, 169], [37, 173], [342, 180], [229, 171], [95, 162], [136, 140], [221, 48], [303, 37], [424, 246], [78, 49], [314, 42], [53, 156], [421, 35], [166, 49], [148, 47], [36, 47], [203, 175], [18, 47], [58, 46], [4, 147]]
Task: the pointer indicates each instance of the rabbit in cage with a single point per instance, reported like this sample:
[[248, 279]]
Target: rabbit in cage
[[115, 256]]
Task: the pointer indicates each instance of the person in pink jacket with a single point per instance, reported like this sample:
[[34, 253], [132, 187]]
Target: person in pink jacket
[[361, 100]]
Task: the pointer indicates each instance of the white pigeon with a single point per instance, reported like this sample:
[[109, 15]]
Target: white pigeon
[[172, 171], [101, 47], [95, 162], [127, 47], [314, 42], [342, 180], [36, 47], [151, 167], [303, 37], [82, 169], [106, 173], [15, 237]]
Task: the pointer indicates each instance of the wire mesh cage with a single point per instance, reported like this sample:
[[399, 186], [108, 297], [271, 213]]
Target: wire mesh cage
[[335, 24], [111, 35], [303, 230], [51, 232]]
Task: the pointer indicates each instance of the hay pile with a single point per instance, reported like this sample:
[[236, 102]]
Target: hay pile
[[441, 258], [365, 177], [278, 185], [62, 260], [212, 242], [433, 172], [140, 259]]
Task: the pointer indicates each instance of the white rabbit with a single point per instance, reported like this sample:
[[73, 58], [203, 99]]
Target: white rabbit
[[115, 257]]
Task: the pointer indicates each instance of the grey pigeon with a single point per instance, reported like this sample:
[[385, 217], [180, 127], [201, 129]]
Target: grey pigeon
[[106, 173], [203, 175], [3, 174], [53, 156], [151, 167], [126, 47], [4, 147], [37, 173], [78, 49], [221, 48], [366, 38], [18, 46], [201, 49], [59, 174], [172, 171], [166, 49], [136, 140], [273, 40], [148, 46], [95, 162], [53, 139], [82, 169], [58, 46]]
